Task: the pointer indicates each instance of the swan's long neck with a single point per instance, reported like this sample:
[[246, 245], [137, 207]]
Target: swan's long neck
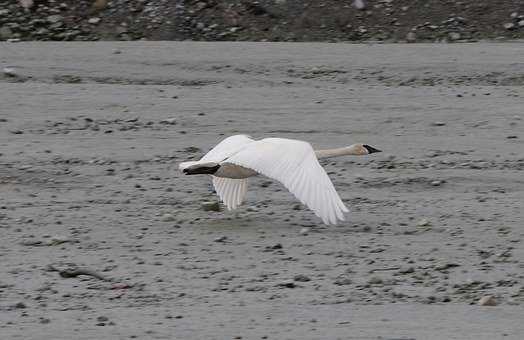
[[345, 151]]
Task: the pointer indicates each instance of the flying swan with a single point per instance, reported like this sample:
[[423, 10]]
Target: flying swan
[[292, 162]]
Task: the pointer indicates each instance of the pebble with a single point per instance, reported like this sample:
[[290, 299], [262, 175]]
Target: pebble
[[487, 300], [5, 32], [10, 72], [287, 284], [58, 239], [167, 218], [375, 280], [411, 37], [26, 4], [438, 124], [220, 239], [436, 183], [454, 36], [20, 305], [423, 223], [54, 18], [94, 20], [211, 206], [509, 25], [45, 320], [344, 281], [170, 121], [359, 4], [301, 278], [521, 23], [406, 270], [305, 231]]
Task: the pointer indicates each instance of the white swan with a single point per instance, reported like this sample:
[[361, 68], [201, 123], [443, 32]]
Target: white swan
[[292, 162]]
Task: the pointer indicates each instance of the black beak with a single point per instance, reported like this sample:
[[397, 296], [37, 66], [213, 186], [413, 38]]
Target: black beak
[[201, 170], [371, 149]]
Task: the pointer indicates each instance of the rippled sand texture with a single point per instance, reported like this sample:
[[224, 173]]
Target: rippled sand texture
[[90, 136]]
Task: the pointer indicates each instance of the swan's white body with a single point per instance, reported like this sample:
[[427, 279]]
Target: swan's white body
[[294, 163]]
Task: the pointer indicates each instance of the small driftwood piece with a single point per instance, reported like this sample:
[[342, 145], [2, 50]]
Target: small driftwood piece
[[74, 271]]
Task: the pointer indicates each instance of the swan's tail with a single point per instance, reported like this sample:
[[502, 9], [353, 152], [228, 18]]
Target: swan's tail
[[197, 168]]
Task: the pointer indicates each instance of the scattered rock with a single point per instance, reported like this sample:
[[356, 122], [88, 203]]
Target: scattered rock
[[32, 243], [5, 33], [301, 278], [343, 281], [44, 320], [287, 284], [445, 266], [411, 37], [10, 72], [94, 20], [170, 121], [359, 4], [423, 223], [59, 21], [487, 300], [454, 36], [375, 280], [99, 4], [57, 239], [305, 231], [275, 246], [167, 218], [211, 206], [220, 239], [406, 270], [53, 19], [20, 305], [26, 4]]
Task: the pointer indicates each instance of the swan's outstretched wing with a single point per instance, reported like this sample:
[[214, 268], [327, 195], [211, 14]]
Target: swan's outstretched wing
[[226, 148], [230, 191], [294, 163]]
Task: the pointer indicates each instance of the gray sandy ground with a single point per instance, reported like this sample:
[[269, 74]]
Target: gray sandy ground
[[88, 179]]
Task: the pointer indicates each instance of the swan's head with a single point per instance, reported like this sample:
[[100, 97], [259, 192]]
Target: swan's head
[[364, 149]]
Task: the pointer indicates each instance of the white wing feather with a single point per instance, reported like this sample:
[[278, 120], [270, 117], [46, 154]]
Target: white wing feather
[[226, 148], [221, 151], [294, 164], [230, 191]]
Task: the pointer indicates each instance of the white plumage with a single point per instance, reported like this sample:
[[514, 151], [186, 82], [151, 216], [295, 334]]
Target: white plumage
[[294, 163]]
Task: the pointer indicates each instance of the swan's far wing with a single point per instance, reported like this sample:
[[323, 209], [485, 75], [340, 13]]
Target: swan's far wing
[[231, 191], [226, 148], [294, 164]]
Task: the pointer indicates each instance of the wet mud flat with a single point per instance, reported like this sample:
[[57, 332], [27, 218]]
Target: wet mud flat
[[101, 236]]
